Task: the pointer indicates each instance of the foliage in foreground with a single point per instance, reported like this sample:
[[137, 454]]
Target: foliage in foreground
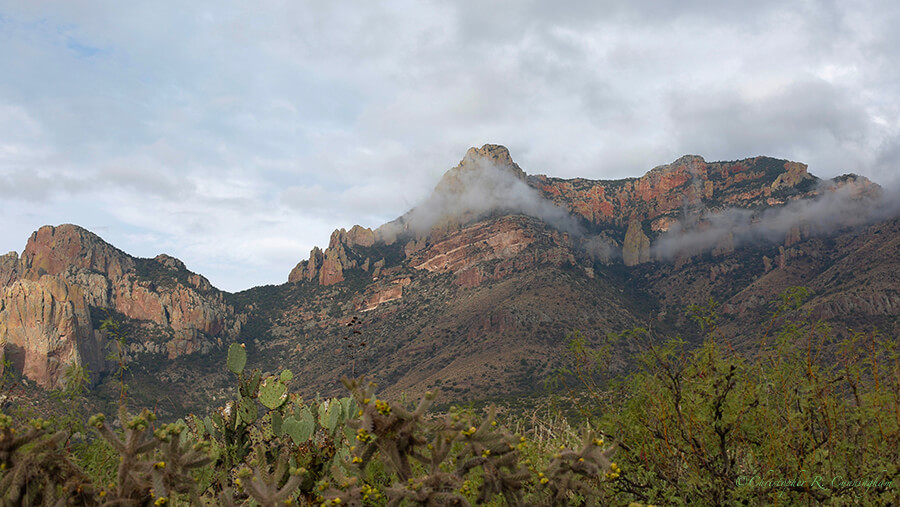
[[804, 419], [267, 447]]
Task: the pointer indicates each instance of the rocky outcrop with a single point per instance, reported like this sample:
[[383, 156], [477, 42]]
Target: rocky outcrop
[[66, 270], [492, 249], [356, 236], [500, 239], [307, 270], [381, 294], [45, 325], [9, 268], [636, 249], [328, 267], [52, 250], [455, 181], [333, 265], [194, 317], [664, 192], [861, 303]]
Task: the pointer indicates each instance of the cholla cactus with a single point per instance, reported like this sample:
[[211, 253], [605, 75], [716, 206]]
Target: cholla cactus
[[153, 464], [399, 437], [34, 467], [578, 471]]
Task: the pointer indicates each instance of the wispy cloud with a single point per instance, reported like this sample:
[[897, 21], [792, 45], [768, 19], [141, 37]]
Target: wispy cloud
[[836, 208]]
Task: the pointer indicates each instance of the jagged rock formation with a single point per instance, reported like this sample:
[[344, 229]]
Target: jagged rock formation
[[328, 267], [67, 267], [52, 250], [636, 249]]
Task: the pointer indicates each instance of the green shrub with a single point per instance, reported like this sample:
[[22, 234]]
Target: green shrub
[[805, 418]]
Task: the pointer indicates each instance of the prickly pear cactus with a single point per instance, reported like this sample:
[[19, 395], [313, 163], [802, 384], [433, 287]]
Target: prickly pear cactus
[[237, 358], [332, 416], [300, 429], [247, 411], [277, 421], [272, 393]]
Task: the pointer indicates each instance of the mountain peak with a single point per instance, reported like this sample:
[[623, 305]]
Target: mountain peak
[[490, 162], [495, 153], [692, 163], [52, 249]]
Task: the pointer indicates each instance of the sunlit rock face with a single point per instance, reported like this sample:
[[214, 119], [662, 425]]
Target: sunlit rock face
[[66, 271], [45, 325]]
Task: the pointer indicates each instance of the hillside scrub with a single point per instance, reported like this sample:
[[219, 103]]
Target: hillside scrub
[[805, 419]]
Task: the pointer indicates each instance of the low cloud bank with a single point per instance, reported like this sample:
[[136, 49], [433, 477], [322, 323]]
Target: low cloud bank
[[480, 187], [834, 209], [477, 189]]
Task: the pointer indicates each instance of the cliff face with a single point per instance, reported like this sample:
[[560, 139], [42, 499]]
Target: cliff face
[[636, 249], [45, 324], [491, 250], [66, 272], [9, 268], [664, 192]]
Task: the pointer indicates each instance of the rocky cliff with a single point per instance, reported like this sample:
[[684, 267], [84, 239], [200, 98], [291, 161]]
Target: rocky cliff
[[665, 192], [67, 274], [45, 325], [608, 220]]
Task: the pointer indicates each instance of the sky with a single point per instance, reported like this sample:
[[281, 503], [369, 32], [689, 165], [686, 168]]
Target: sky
[[237, 135]]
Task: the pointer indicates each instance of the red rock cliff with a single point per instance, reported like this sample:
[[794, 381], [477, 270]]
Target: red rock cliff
[[45, 325], [66, 270]]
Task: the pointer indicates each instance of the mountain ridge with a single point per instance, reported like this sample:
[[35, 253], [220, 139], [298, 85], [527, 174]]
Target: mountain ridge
[[476, 288]]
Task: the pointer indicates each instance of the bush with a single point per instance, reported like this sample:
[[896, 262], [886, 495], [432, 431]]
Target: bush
[[806, 418]]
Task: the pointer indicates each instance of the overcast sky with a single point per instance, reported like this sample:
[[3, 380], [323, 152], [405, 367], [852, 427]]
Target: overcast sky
[[238, 135]]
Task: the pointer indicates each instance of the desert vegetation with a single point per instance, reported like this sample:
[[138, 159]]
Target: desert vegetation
[[804, 418]]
